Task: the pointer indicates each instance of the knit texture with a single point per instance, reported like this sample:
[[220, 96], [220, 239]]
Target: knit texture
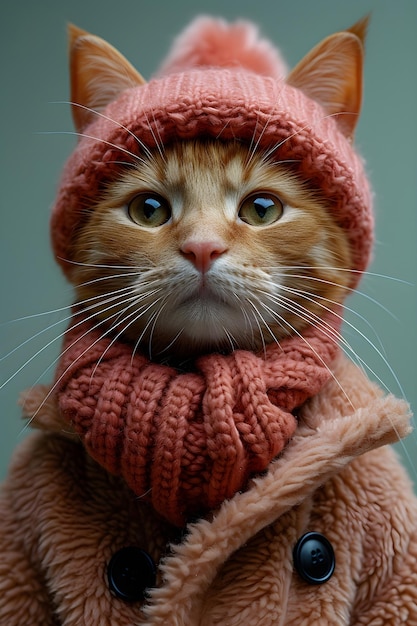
[[209, 42], [62, 518], [187, 441], [223, 103]]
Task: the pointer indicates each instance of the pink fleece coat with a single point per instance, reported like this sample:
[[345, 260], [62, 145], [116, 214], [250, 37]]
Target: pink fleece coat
[[63, 518]]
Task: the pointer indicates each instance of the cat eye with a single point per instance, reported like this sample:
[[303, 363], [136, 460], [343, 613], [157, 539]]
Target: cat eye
[[149, 210], [261, 209]]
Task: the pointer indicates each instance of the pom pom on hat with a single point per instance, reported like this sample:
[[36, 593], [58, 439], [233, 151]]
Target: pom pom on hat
[[209, 42]]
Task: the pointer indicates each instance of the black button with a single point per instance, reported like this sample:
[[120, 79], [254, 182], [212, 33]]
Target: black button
[[314, 558], [130, 572]]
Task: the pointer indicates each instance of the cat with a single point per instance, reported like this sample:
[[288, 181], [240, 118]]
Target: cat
[[211, 245], [208, 247], [201, 420]]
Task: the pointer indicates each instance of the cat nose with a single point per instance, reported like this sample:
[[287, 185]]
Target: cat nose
[[202, 254]]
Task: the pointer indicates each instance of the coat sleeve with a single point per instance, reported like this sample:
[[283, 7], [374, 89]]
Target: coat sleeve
[[396, 602], [387, 583], [23, 595]]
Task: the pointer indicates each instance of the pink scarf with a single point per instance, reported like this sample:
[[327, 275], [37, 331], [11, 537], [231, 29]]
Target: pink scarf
[[187, 441]]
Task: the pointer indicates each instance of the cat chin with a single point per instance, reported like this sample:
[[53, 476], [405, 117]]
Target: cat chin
[[205, 331], [182, 340], [188, 350], [200, 325]]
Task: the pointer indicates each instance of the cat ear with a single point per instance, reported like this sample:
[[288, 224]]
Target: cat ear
[[99, 73], [331, 74]]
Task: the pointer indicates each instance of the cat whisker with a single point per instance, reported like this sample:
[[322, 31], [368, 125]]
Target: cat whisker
[[308, 126], [268, 153], [158, 140], [344, 269], [99, 324], [309, 317], [143, 146], [90, 301], [102, 279], [332, 303], [44, 330], [286, 272], [27, 341], [172, 342], [350, 352], [293, 331], [255, 314], [156, 316], [222, 130], [34, 356], [313, 318], [35, 315], [133, 301], [121, 319], [290, 305], [144, 494], [252, 141], [232, 341], [248, 323], [151, 324], [134, 156], [282, 161], [112, 300], [153, 318], [254, 150], [102, 265], [258, 315], [55, 385]]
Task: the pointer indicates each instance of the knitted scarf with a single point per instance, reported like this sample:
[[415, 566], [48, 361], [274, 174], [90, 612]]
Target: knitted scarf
[[186, 441]]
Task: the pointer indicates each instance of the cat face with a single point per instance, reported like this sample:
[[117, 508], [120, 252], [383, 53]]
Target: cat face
[[205, 246]]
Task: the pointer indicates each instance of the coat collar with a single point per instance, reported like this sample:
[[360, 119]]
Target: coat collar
[[347, 419]]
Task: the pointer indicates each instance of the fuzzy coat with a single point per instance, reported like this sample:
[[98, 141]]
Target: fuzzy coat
[[63, 518]]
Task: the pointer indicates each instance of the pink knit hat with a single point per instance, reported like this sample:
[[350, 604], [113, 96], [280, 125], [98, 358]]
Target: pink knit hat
[[219, 81]]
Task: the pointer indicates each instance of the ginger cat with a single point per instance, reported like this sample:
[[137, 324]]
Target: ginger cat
[[211, 245]]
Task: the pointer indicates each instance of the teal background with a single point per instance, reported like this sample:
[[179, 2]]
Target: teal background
[[34, 79]]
